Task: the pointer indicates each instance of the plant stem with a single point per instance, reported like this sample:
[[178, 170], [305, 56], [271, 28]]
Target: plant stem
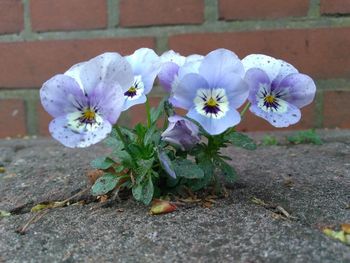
[[246, 107], [148, 111]]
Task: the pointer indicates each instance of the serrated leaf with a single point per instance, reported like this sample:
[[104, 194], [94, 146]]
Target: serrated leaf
[[104, 184], [144, 166], [241, 140], [187, 169], [228, 171], [102, 163]]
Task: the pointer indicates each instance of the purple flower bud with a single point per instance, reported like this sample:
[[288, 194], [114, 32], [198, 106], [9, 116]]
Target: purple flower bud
[[181, 132]]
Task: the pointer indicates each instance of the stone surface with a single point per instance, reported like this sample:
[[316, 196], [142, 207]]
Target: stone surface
[[310, 182]]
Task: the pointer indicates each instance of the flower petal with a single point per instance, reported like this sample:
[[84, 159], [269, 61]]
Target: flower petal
[[256, 77], [167, 75], [109, 99], [285, 70], [236, 89], [301, 89], [186, 91], [108, 68], [172, 56], [60, 95], [269, 65], [219, 63], [215, 126], [145, 62], [60, 131], [291, 116], [129, 103]]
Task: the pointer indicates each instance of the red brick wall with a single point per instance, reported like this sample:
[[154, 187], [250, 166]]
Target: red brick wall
[[39, 38]]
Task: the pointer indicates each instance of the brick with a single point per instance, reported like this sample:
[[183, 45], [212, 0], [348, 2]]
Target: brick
[[251, 122], [258, 9], [49, 15], [336, 111], [12, 118], [160, 12], [335, 7], [29, 64], [11, 16], [321, 53]]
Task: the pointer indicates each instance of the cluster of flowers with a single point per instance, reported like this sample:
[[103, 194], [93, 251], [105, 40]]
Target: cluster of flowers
[[88, 98]]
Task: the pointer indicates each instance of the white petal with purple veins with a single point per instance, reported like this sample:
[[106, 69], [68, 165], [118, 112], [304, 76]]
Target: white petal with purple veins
[[269, 65]]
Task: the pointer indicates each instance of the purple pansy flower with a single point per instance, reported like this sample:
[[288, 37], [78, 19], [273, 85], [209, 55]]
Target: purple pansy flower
[[87, 99], [145, 64], [212, 95], [277, 89], [171, 63], [181, 132]]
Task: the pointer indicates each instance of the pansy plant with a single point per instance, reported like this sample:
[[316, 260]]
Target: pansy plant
[[86, 102]]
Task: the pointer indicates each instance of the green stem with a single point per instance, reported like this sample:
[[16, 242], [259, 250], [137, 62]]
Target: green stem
[[148, 111], [246, 107]]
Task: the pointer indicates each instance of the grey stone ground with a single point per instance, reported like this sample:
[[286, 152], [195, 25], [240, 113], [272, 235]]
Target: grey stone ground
[[311, 182]]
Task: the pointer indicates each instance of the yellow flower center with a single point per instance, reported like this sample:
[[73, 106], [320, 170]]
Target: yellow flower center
[[270, 99], [211, 102], [89, 115], [132, 89]]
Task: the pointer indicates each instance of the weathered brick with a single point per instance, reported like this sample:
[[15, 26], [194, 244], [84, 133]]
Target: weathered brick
[[250, 122], [160, 12], [49, 15], [336, 112], [12, 118], [29, 64], [11, 16], [335, 7], [267, 9], [322, 53]]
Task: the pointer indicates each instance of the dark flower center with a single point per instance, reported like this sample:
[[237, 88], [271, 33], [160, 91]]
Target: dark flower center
[[88, 116], [211, 106], [131, 92]]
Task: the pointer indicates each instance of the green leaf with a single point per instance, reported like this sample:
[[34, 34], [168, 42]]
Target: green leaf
[[187, 169], [104, 184], [143, 191], [156, 113], [102, 163], [4, 213], [228, 171], [144, 166], [114, 143], [309, 136], [149, 134], [269, 140], [208, 167], [241, 140], [123, 157]]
